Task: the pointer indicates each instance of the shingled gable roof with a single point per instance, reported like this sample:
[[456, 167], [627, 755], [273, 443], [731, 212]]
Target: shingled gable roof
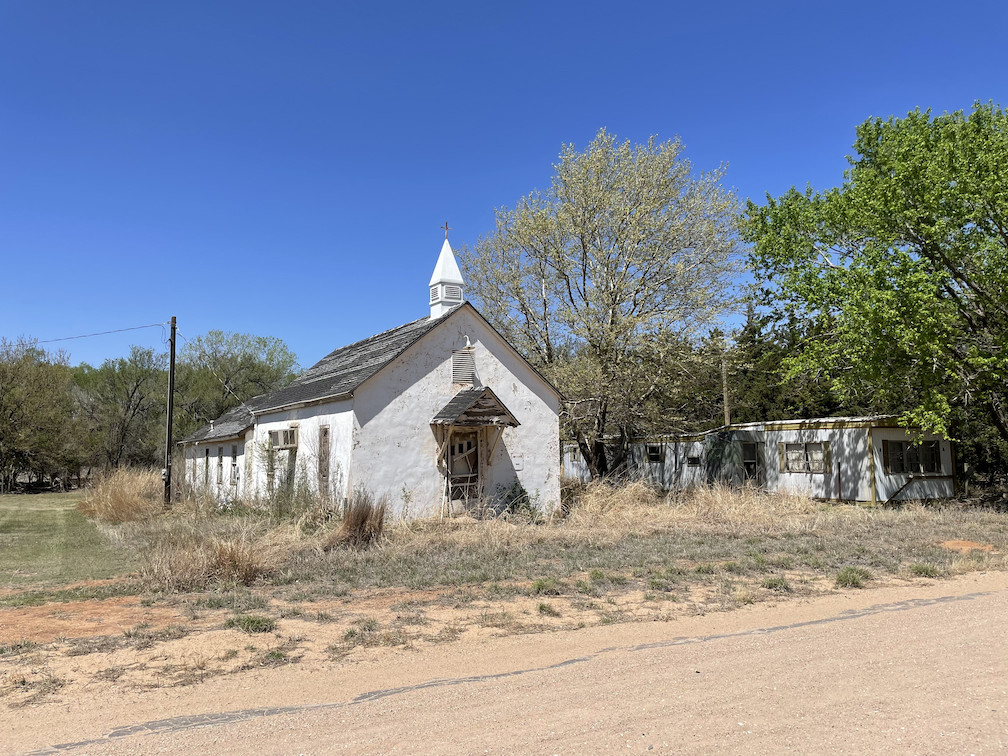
[[232, 424], [340, 372]]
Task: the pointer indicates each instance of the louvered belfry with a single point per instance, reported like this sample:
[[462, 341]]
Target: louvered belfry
[[445, 283]]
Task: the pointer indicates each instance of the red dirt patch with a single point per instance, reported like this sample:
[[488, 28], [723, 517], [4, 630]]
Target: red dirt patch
[[965, 547], [81, 619]]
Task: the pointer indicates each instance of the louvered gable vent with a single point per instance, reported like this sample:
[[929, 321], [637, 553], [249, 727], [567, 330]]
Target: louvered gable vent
[[464, 366]]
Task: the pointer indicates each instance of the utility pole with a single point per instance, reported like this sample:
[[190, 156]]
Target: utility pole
[[168, 424], [724, 385]]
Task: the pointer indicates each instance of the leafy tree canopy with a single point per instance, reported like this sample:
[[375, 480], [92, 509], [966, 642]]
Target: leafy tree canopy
[[601, 279], [219, 370], [903, 268]]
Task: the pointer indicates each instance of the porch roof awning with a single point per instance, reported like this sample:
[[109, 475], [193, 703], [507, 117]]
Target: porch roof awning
[[474, 408]]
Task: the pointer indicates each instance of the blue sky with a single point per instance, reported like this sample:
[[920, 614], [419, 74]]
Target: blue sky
[[283, 169]]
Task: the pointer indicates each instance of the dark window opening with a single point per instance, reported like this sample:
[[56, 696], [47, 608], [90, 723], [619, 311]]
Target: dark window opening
[[907, 458]]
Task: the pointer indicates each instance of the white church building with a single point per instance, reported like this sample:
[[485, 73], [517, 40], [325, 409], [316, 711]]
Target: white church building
[[432, 416]]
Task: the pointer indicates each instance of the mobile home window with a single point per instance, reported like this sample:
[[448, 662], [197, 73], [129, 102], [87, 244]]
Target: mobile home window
[[750, 460], [907, 458], [810, 457]]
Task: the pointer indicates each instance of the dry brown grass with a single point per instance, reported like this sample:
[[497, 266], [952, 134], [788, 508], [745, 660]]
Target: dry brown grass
[[185, 554], [362, 524], [633, 531], [124, 494], [638, 508]]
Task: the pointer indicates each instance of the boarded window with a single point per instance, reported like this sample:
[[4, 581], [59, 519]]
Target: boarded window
[[907, 458], [464, 366], [323, 460]]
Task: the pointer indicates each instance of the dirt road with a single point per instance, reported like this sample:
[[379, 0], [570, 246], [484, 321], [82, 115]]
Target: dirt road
[[910, 669]]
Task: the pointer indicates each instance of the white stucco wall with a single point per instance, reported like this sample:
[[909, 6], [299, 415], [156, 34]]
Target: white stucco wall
[[338, 415], [195, 466], [395, 451]]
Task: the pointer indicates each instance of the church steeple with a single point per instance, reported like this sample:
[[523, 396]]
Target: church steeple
[[445, 282]]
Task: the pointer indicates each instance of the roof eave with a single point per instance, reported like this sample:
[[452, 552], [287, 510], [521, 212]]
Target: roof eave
[[303, 403]]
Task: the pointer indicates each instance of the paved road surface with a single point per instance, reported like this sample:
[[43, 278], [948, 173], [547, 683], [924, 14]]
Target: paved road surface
[[910, 669]]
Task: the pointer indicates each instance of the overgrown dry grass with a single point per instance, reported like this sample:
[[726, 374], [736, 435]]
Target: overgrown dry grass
[[362, 524], [123, 495], [628, 533], [181, 553]]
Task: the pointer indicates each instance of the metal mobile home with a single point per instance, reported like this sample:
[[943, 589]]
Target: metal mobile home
[[870, 459]]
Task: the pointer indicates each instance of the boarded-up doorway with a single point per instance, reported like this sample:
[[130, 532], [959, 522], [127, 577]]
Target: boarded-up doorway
[[463, 466]]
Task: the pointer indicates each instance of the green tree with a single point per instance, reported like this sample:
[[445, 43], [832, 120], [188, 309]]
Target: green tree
[[601, 279], [124, 402], [35, 407], [761, 387], [220, 370], [903, 268]]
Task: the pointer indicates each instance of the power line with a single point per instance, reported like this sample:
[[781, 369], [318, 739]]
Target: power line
[[103, 333]]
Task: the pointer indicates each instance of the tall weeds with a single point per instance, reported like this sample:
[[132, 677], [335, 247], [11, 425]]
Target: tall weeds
[[124, 494], [628, 528], [362, 524], [182, 554]]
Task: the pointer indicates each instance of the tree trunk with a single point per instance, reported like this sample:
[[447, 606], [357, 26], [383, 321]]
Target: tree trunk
[[998, 415]]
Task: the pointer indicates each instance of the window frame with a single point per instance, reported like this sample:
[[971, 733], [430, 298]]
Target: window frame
[[284, 438], [808, 463], [912, 458]]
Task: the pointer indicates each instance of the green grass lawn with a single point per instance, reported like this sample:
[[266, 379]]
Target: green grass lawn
[[46, 543]]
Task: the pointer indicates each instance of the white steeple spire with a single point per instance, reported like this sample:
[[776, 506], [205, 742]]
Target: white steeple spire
[[445, 282]]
